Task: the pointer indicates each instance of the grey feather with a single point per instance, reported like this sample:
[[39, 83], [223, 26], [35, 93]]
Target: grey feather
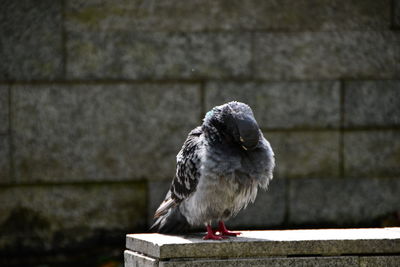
[[219, 169]]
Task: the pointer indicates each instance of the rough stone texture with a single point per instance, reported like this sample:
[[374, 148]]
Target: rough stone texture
[[259, 244], [372, 103], [392, 261], [282, 105], [268, 210], [266, 262], [4, 109], [342, 201], [99, 15], [101, 132], [372, 153], [305, 154], [132, 55], [4, 160], [133, 259], [31, 40], [42, 218], [327, 55]]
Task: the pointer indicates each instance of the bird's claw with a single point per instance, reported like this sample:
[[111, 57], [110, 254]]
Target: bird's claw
[[213, 237], [225, 232], [230, 233]]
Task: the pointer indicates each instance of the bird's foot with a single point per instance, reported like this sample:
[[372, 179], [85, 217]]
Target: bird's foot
[[225, 232], [230, 233], [213, 236]]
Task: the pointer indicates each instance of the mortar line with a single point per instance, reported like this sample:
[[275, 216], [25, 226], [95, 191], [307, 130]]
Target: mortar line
[[287, 200], [11, 137], [392, 25], [77, 183], [63, 41], [148, 197], [338, 129], [342, 128], [202, 92], [105, 81], [252, 55]]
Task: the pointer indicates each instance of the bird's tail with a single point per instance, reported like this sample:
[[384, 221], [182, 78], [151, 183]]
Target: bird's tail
[[172, 221], [168, 218]]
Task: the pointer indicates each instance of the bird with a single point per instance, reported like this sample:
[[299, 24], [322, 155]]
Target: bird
[[219, 169]]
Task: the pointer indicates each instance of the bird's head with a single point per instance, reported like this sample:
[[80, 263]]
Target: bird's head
[[236, 123]]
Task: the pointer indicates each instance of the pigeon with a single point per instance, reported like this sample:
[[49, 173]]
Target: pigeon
[[219, 169]]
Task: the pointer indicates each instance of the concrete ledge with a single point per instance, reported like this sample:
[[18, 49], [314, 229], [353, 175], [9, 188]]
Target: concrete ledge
[[330, 247]]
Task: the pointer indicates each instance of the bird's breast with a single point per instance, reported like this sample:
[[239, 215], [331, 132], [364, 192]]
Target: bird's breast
[[217, 198]]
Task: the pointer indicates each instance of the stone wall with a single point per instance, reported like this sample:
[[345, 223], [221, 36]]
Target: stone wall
[[97, 97]]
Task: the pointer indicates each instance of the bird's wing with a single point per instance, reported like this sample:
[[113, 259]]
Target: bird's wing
[[187, 173]]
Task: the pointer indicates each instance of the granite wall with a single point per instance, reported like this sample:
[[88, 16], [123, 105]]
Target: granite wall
[[97, 97]]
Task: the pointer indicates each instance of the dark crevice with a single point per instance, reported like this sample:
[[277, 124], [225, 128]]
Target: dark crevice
[[393, 23], [342, 128], [202, 93], [168, 80], [11, 135], [252, 56], [286, 218], [77, 183], [64, 56]]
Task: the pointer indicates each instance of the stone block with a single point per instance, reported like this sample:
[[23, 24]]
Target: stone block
[[31, 40], [4, 109], [387, 261], [141, 55], [342, 201], [282, 105], [269, 262], [4, 159], [265, 244], [95, 15], [372, 153], [133, 259], [267, 210], [101, 132], [327, 55], [372, 103], [305, 154], [46, 218]]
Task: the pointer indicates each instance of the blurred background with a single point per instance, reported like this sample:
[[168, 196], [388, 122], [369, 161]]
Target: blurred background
[[97, 97]]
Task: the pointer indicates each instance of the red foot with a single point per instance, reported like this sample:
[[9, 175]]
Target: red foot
[[211, 235], [223, 231]]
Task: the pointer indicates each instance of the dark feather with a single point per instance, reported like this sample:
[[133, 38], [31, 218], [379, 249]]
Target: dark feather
[[172, 222], [187, 167], [168, 217]]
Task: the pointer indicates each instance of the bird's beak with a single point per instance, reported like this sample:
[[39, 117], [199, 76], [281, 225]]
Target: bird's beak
[[242, 141], [249, 132]]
